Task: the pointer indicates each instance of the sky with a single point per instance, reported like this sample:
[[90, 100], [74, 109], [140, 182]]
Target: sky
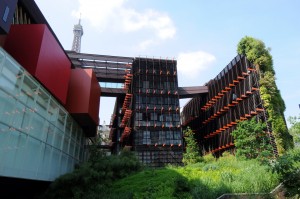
[[201, 35]]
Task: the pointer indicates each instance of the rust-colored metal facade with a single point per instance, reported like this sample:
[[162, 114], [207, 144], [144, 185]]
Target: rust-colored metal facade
[[148, 121], [233, 96]]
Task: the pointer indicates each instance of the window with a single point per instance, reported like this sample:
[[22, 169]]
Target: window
[[176, 117], [168, 118], [138, 116], [145, 84], [153, 116], [146, 137]]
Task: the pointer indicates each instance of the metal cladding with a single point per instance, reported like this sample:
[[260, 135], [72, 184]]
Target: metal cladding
[[233, 96], [107, 68], [84, 99], [148, 120]]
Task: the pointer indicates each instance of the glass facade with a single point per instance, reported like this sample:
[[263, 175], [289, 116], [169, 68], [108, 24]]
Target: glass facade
[[38, 138]]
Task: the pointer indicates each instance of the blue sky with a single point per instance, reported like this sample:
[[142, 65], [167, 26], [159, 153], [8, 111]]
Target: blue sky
[[201, 35]]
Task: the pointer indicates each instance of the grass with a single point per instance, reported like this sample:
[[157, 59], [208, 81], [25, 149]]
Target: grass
[[208, 179]]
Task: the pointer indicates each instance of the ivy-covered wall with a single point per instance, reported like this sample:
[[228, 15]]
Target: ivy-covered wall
[[260, 56]]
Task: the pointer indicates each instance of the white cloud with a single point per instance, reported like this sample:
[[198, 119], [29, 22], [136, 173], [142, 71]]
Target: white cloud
[[114, 16], [98, 12], [191, 64], [145, 44]]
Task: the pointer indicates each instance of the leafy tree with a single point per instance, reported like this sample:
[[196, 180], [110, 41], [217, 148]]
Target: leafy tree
[[260, 56], [288, 167], [295, 129], [192, 154], [251, 140]]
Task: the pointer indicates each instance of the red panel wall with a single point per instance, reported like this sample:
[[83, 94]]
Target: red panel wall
[[95, 97], [2, 40], [84, 99], [36, 49]]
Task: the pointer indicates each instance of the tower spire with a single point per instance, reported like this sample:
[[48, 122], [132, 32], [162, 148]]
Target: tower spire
[[78, 32]]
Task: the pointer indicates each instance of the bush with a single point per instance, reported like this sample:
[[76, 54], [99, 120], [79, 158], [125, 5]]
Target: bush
[[288, 167], [93, 177], [192, 154], [251, 141]]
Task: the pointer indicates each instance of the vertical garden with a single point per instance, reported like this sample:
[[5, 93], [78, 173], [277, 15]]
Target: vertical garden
[[260, 56]]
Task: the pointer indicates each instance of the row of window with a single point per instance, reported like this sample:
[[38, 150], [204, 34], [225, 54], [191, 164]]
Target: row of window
[[168, 85], [156, 100], [155, 68], [156, 124], [157, 157], [157, 117], [157, 137]]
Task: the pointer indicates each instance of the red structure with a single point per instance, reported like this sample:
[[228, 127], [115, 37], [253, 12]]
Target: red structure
[[37, 50], [84, 99]]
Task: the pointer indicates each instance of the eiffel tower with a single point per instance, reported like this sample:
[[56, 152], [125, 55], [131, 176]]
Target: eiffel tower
[[78, 32]]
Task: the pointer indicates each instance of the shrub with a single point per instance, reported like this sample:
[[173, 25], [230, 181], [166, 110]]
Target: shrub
[[251, 141], [93, 176], [192, 154], [288, 167]]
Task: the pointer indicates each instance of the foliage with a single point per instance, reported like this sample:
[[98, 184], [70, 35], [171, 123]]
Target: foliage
[[192, 154], [288, 167], [226, 175], [256, 53], [295, 129], [93, 177], [251, 141], [260, 56]]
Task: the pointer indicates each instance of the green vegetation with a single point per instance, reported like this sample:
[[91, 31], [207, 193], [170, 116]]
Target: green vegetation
[[295, 129], [251, 141], [207, 179], [260, 56], [121, 176], [94, 176], [288, 168], [192, 154]]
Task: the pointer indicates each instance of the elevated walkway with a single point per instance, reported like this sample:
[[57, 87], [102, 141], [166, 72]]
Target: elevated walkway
[[192, 91], [107, 68]]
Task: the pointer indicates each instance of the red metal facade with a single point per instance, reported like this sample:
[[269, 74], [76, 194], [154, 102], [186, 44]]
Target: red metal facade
[[84, 99], [37, 50]]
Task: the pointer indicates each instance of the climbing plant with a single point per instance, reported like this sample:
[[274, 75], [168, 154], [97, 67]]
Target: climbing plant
[[257, 53]]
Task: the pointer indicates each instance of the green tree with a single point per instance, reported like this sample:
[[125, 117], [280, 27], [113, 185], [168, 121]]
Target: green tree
[[192, 154], [288, 168], [257, 53], [295, 129], [252, 141]]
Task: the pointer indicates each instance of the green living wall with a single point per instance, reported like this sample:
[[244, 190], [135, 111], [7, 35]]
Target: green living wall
[[260, 56]]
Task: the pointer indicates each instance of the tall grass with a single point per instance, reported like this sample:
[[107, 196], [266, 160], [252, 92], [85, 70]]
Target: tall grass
[[208, 179]]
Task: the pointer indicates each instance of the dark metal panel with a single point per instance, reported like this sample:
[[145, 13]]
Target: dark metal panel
[[188, 92], [110, 71], [97, 64], [7, 10], [110, 78], [112, 92], [92, 57]]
